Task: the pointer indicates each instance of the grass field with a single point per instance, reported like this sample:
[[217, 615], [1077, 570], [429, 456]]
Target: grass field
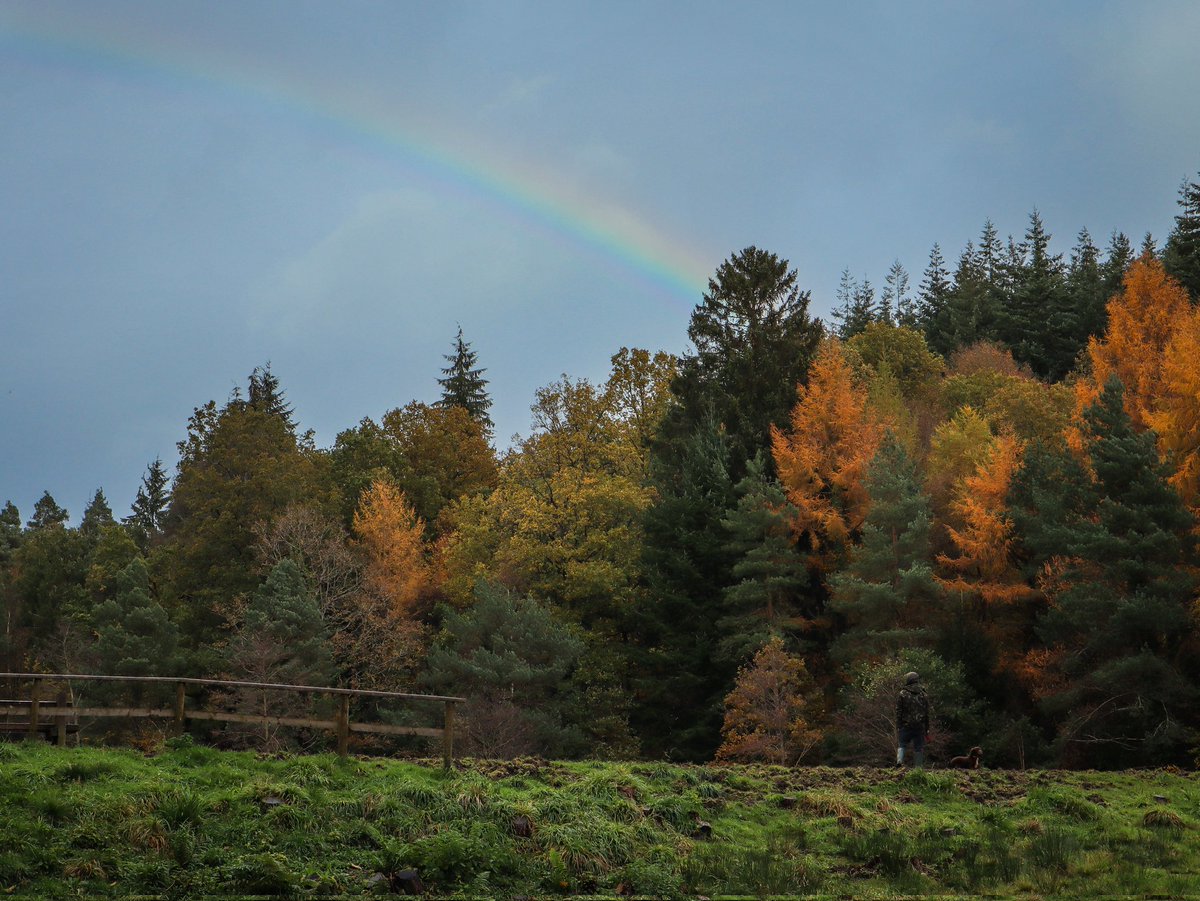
[[191, 821]]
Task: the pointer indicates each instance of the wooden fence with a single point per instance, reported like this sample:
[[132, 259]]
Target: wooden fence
[[59, 714]]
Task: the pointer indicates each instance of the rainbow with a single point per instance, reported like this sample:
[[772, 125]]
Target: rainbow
[[621, 240]]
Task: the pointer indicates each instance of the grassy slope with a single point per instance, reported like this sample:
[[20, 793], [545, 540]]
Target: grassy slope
[[194, 821]]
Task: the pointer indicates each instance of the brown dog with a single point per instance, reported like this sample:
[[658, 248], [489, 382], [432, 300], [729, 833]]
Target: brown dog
[[970, 762]]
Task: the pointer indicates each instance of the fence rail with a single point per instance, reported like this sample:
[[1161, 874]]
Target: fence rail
[[37, 714]]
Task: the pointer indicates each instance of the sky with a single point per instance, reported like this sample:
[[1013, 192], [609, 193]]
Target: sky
[[190, 190]]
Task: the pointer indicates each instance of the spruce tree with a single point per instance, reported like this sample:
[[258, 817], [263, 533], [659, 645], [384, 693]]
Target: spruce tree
[[886, 592], [687, 566], [753, 340], [149, 510], [1086, 290], [897, 298], [1117, 260], [1181, 256], [768, 596], [1118, 544], [856, 306], [933, 292], [464, 385], [1038, 314]]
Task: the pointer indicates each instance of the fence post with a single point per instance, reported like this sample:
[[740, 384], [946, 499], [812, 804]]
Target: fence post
[[343, 726], [34, 704], [180, 700], [60, 717], [448, 737]]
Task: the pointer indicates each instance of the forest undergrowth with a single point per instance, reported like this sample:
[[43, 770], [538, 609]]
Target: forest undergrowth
[[189, 821]]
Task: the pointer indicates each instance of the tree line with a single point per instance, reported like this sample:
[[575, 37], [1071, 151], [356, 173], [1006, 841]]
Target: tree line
[[993, 479]]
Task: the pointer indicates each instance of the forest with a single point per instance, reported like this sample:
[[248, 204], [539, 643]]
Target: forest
[[991, 477]]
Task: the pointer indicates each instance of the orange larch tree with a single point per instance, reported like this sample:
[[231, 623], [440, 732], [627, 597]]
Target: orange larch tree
[[1176, 414], [1141, 322], [822, 459], [770, 714], [391, 536]]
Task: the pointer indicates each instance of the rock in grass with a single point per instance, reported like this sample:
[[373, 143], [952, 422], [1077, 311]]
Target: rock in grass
[[408, 882]]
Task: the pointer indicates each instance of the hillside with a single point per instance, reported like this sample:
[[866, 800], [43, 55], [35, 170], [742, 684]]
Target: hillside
[[193, 821]]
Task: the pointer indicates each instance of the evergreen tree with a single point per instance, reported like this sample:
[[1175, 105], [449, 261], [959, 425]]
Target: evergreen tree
[[149, 510], [1181, 256], [856, 306], [47, 514], [966, 315], [464, 385], [1086, 292], [134, 634], [772, 576], [1038, 315], [266, 396], [933, 293], [753, 340], [10, 607], [897, 298], [687, 566], [1117, 260], [97, 515], [1149, 248], [886, 592], [512, 659], [1117, 548]]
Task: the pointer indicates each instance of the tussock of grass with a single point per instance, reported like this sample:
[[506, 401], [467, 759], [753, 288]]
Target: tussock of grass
[[193, 821]]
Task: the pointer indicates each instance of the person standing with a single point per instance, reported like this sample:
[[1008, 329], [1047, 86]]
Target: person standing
[[912, 719]]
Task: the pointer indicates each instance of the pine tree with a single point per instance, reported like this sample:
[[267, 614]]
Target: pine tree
[[1181, 256], [149, 510], [97, 515], [1119, 545], [47, 514], [464, 385], [772, 576], [887, 590], [134, 634], [856, 306]]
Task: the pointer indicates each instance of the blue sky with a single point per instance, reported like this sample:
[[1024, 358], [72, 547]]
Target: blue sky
[[192, 189]]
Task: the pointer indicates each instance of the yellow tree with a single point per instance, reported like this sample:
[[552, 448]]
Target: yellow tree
[[770, 714], [391, 537], [822, 458], [1176, 413]]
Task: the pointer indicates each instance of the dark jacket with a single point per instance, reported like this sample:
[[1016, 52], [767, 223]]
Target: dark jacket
[[912, 708]]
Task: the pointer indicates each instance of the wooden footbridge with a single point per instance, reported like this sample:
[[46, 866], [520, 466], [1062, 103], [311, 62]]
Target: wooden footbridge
[[50, 707]]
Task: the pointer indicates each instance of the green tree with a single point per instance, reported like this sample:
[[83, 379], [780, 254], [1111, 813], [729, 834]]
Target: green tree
[[47, 514], [856, 306], [463, 384], [512, 659], [1087, 291], [933, 293], [770, 594], [239, 466], [10, 541], [753, 340], [134, 634], [895, 297], [1181, 256], [97, 515], [903, 352], [279, 636], [1038, 315], [148, 513], [267, 396], [687, 565], [887, 592], [1117, 260], [1114, 547]]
